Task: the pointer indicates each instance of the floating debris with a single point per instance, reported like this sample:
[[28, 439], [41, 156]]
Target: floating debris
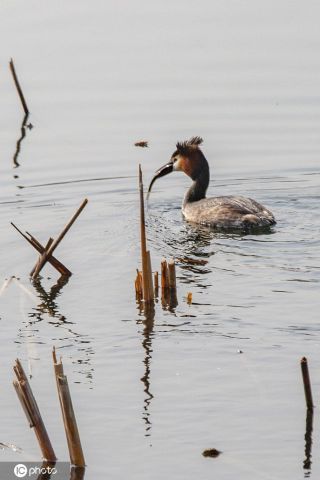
[[192, 261], [142, 143], [10, 446], [211, 452]]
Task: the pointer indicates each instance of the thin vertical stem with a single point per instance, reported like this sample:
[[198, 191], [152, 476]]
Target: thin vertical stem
[[19, 90], [306, 383]]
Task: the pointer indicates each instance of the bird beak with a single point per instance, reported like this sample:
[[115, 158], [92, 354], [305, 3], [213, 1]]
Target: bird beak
[[167, 168]]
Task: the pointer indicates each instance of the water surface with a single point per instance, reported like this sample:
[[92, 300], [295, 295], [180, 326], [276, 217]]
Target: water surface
[[151, 395]]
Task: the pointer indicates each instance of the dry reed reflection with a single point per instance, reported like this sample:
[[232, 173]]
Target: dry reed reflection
[[307, 462], [147, 332], [23, 129]]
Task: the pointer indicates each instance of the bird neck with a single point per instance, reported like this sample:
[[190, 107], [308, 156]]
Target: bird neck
[[199, 186]]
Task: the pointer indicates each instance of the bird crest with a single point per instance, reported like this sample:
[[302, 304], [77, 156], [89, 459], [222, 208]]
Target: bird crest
[[189, 145]]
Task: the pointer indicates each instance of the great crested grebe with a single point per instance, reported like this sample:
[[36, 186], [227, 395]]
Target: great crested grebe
[[223, 213]]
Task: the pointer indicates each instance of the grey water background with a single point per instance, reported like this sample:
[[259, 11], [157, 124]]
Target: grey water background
[[97, 77]]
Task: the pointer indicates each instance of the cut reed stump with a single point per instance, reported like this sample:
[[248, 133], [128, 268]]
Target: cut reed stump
[[69, 419], [306, 383], [32, 412], [172, 275], [168, 283], [164, 274], [138, 285], [189, 298]]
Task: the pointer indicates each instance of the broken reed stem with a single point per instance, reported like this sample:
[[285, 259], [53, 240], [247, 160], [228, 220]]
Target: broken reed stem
[[40, 248], [32, 412], [19, 90], [47, 253], [46, 248], [306, 383], [69, 419], [147, 282]]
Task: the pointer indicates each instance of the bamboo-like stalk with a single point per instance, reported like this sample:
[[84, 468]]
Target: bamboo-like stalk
[[32, 412], [69, 419], [40, 248], [306, 383], [19, 90], [148, 294], [47, 253]]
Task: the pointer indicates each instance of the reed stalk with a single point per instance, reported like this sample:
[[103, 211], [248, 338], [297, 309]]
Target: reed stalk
[[69, 419], [148, 294], [32, 412], [306, 383], [19, 89]]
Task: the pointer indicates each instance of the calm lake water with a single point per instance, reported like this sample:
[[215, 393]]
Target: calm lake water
[[223, 372]]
